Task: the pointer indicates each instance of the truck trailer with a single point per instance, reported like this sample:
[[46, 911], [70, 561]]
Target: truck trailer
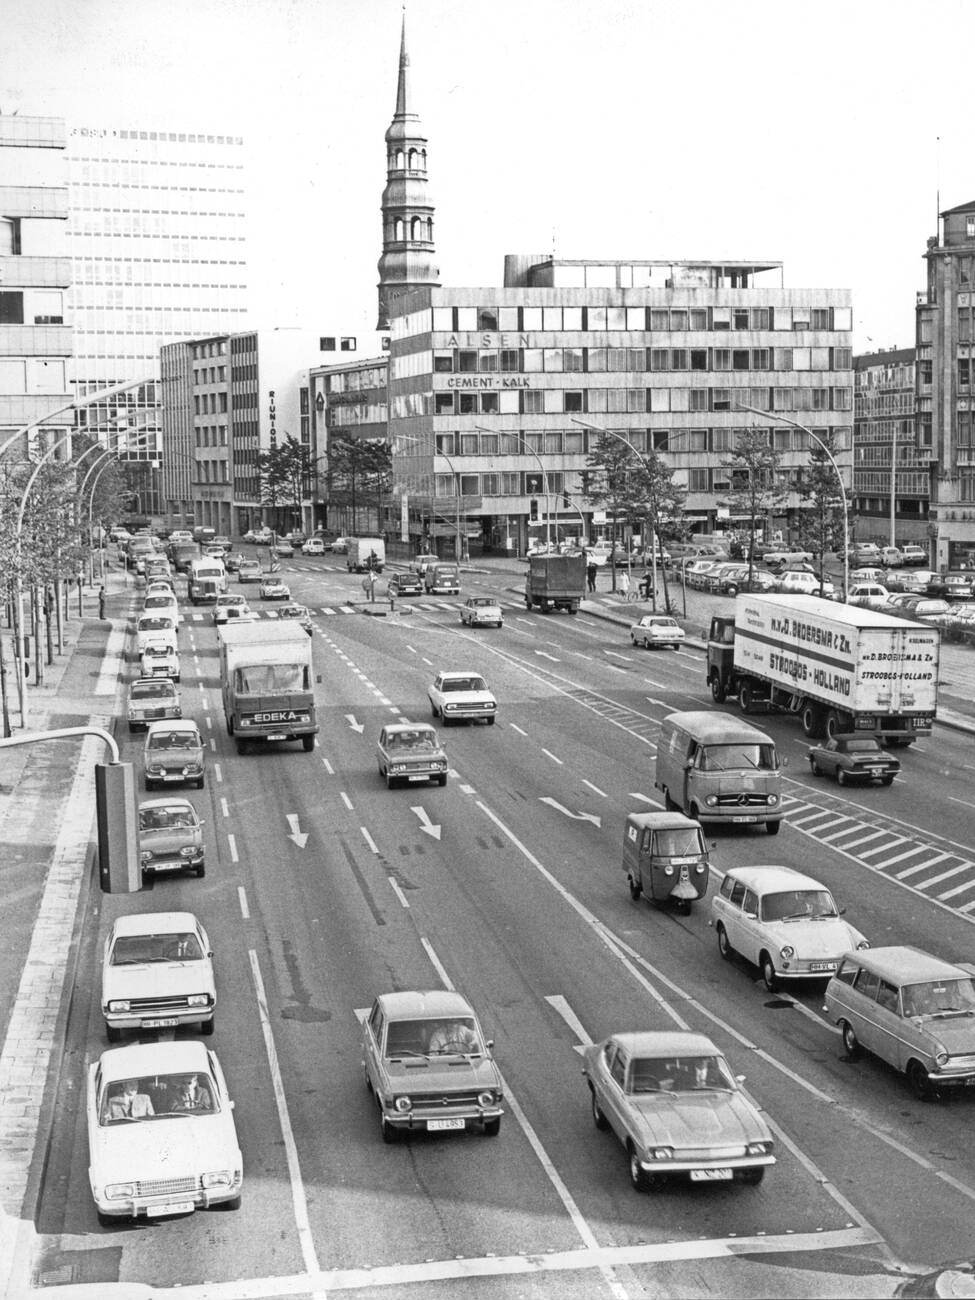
[[266, 682], [840, 668], [555, 582]]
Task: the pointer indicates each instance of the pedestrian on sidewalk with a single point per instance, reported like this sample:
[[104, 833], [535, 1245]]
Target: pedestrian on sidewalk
[[101, 601], [624, 584], [591, 575]]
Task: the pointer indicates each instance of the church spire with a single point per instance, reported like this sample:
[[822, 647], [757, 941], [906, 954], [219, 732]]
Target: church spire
[[407, 259]]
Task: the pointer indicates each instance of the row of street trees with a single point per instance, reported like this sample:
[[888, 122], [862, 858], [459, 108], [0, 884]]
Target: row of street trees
[[359, 476]]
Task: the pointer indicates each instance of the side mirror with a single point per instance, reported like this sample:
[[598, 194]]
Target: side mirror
[[784, 761]]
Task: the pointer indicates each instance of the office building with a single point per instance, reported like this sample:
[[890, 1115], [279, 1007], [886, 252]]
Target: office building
[[890, 479], [35, 275], [347, 400]]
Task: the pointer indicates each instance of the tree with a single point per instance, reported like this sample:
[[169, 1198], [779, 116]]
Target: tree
[[820, 526], [285, 470], [756, 486], [353, 465], [612, 482]]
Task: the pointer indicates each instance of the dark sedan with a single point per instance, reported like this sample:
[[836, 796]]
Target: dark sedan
[[850, 757]]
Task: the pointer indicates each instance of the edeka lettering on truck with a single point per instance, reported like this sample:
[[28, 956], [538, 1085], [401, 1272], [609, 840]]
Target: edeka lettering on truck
[[280, 715]]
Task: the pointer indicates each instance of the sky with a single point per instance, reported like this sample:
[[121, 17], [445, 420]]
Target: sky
[[824, 135]]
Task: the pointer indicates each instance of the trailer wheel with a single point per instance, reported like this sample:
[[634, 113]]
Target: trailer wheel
[[834, 723], [717, 688], [812, 722]]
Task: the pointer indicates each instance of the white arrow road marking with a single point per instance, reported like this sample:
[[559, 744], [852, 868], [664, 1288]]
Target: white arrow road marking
[[594, 788], [644, 798], [651, 700], [559, 1004], [356, 726], [426, 825], [576, 816], [300, 837]]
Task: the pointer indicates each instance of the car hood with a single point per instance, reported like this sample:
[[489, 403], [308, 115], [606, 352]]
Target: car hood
[[439, 1074], [164, 1148], [956, 1034], [155, 979], [814, 939], [467, 697], [697, 1119], [180, 757], [159, 841]]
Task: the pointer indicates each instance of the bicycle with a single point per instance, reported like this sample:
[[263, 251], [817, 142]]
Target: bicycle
[[633, 596]]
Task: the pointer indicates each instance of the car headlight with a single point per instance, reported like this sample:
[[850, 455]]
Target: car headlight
[[154, 769], [486, 1098], [119, 1191], [758, 1148], [772, 800], [661, 1153], [188, 851], [941, 1058], [218, 1178], [711, 800], [701, 866], [668, 870], [403, 1104], [787, 952], [145, 856], [862, 943], [198, 1000], [119, 1004]]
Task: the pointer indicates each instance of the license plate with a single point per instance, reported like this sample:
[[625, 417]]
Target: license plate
[[174, 1207], [711, 1175], [744, 819], [419, 776], [439, 1125], [276, 736], [822, 965], [167, 1023]]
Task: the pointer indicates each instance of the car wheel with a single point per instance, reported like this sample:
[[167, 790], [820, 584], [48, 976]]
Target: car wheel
[[840, 776], [724, 947], [230, 1206], [772, 828], [199, 783], [636, 889], [113, 1034], [598, 1118], [433, 708], [490, 722], [769, 977], [851, 1044], [750, 1177], [640, 1179], [390, 1134], [669, 803], [201, 871], [150, 785], [207, 1027], [886, 780], [108, 1220], [390, 781], [919, 1083], [442, 780], [492, 1127], [308, 743]]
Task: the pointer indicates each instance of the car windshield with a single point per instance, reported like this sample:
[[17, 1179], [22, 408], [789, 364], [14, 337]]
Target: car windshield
[[166, 819], [443, 1036], [679, 1074], [464, 684], [731, 758], [140, 949], [157, 1096], [798, 905], [173, 740], [153, 691], [678, 842], [940, 998], [157, 651], [411, 740]]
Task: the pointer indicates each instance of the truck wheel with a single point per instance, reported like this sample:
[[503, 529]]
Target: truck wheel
[[528, 603], [745, 697], [717, 688], [834, 723], [308, 743], [812, 722]]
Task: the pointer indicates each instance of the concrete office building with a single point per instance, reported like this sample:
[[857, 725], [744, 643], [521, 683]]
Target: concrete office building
[[347, 400], [946, 385], [35, 275], [890, 479], [499, 394], [156, 234]]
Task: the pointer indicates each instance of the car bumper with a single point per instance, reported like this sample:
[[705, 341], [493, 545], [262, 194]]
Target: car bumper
[[164, 1018], [467, 715], [444, 1119], [707, 1165], [176, 778], [166, 1203], [170, 865]]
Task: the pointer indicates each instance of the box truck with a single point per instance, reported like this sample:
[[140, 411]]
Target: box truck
[[266, 682], [365, 553], [555, 582]]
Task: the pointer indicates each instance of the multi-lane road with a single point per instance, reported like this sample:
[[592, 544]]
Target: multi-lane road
[[324, 888]]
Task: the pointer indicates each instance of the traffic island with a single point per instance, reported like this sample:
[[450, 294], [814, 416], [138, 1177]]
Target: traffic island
[[384, 608]]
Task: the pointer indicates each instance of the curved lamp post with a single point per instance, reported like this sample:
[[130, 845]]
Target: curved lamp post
[[775, 417]]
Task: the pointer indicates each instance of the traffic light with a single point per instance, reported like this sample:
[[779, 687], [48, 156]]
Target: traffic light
[[533, 510]]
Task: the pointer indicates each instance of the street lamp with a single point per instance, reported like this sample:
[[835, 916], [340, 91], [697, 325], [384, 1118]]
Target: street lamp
[[772, 417], [545, 484]]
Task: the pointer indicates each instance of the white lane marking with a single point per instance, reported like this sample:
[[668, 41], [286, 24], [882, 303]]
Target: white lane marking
[[224, 806], [218, 771], [346, 800], [548, 753], [242, 898], [559, 1004], [514, 727], [327, 766], [206, 704], [210, 722], [369, 840], [966, 802], [595, 788], [232, 841], [543, 655], [565, 1196], [398, 892], [290, 1147], [213, 744]]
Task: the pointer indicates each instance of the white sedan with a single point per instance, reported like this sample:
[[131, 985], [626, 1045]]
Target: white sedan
[[161, 1133], [481, 611], [157, 973], [462, 697], [657, 629]]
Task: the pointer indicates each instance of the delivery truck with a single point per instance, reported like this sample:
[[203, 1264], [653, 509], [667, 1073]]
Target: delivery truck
[[839, 668], [555, 582], [365, 553], [266, 682]]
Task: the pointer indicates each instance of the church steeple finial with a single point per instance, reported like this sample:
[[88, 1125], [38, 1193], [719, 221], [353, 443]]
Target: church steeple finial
[[408, 251]]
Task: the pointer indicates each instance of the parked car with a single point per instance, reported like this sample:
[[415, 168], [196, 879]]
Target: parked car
[[173, 754], [300, 613], [672, 1101], [853, 757], [157, 973], [462, 697], [408, 583], [777, 561], [891, 556], [913, 554], [428, 1065], [258, 536], [481, 611], [783, 922], [313, 546], [152, 699], [695, 573], [273, 588], [250, 571], [928, 608], [958, 586], [657, 630], [161, 1134], [761, 580], [868, 575], [870, 595], [412, 752], [170, 837], [806, 584]]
